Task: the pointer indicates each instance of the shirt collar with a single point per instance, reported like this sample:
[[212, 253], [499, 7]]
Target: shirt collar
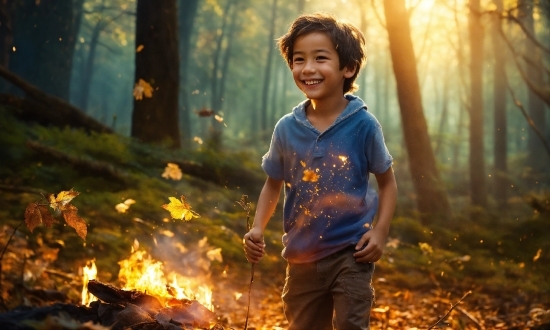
[[355, 104]]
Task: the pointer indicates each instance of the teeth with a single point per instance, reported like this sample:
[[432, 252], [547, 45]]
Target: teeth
[[312, 82]]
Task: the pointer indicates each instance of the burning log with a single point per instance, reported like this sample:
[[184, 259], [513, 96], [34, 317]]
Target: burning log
[[131, 308]]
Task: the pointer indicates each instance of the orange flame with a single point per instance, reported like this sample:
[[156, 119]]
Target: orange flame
[[88, 273], [140, 272]]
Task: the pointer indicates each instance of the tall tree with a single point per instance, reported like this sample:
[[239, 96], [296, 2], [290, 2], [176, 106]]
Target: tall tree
[[534, 73], [264, 121], [155, 119], [478, 187], [500, 185], [44, 36], [187, 12], [432, 200]]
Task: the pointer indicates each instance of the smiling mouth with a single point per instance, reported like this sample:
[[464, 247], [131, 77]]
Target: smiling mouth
[[312, 82]]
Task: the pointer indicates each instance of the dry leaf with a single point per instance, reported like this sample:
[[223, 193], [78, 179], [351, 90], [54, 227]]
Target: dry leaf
[[180, 209], [123, 207], [73, 220], [172, 171], [62, 200], [36, 214], [139, 48], [141, 89]]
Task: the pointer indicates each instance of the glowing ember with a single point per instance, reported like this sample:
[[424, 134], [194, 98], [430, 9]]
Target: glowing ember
[[88, 273]]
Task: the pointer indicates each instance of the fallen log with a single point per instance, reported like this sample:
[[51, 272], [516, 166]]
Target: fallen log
[[102, 169], [47, 109]]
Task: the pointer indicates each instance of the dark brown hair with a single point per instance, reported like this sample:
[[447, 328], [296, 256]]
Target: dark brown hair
[[347, 39]]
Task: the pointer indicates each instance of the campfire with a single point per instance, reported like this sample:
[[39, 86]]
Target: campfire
[[148, 297]]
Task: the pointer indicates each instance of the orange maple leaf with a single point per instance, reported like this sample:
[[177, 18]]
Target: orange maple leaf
[[180, 210]]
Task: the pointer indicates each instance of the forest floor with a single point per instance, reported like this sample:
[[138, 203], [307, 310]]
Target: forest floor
[[424, 273]]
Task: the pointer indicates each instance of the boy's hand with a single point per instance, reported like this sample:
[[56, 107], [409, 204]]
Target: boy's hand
[[375, 240], [254, 245]]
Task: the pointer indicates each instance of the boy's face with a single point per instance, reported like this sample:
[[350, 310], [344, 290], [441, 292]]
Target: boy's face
[[316, 67]]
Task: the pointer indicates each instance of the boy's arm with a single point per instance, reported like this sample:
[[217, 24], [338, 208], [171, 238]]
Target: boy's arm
[[254, 245], [376, 237]]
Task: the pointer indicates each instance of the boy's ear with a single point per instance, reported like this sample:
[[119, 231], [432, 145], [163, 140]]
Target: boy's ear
[[349, 71]]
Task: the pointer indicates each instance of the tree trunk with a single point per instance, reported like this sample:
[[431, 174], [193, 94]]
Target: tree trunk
[[215, 136], [478, 187], [155, 119], [535, 104], [432, 200], [187, 13], [500, 185], [44, 37], [267, 74]]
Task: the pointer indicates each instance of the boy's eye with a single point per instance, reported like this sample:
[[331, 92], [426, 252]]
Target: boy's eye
[[297, 59], [320, 58]]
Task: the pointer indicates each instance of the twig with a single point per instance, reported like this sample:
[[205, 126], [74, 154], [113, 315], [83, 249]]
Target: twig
[[2, 303], [471, 318], [450, 310], [243, 202]]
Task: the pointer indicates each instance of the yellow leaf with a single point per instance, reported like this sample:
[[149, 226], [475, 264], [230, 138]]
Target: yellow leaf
[[141, 89], [180, 210], [310, 176], [537, 256], [123, 207], [172, 171], [215, 254], [61, 202]]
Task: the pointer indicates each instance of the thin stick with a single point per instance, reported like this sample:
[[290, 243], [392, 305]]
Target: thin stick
[[450, 310], [2, 303], [243, 202]]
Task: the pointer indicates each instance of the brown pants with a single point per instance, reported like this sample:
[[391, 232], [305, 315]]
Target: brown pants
[[333, 293]]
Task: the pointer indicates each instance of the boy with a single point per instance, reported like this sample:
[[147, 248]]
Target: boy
[[323, 153]]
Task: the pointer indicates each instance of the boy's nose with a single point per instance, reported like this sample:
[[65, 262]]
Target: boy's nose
[[308, 68]]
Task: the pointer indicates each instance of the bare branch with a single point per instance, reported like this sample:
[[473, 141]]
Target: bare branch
[[450, 310]]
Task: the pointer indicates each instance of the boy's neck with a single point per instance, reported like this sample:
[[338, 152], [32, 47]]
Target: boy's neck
[[328, 107], [321, 114]]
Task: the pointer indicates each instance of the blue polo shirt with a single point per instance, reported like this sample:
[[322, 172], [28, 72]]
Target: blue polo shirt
[[328, 204]]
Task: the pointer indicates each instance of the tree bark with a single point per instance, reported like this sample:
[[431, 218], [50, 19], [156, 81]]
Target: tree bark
[[432, 200], [155, 119], [500, 183], [44, 38], [478, 186], [187, 13], [267, 73], [534, 72]]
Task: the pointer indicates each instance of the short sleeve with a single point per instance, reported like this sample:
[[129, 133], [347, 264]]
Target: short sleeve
[[378, 157], [272, 161]]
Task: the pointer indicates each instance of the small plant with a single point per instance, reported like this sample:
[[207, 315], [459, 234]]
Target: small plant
[[40, 213]]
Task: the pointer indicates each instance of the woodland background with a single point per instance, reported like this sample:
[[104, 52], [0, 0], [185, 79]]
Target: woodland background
[[461, 88]]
